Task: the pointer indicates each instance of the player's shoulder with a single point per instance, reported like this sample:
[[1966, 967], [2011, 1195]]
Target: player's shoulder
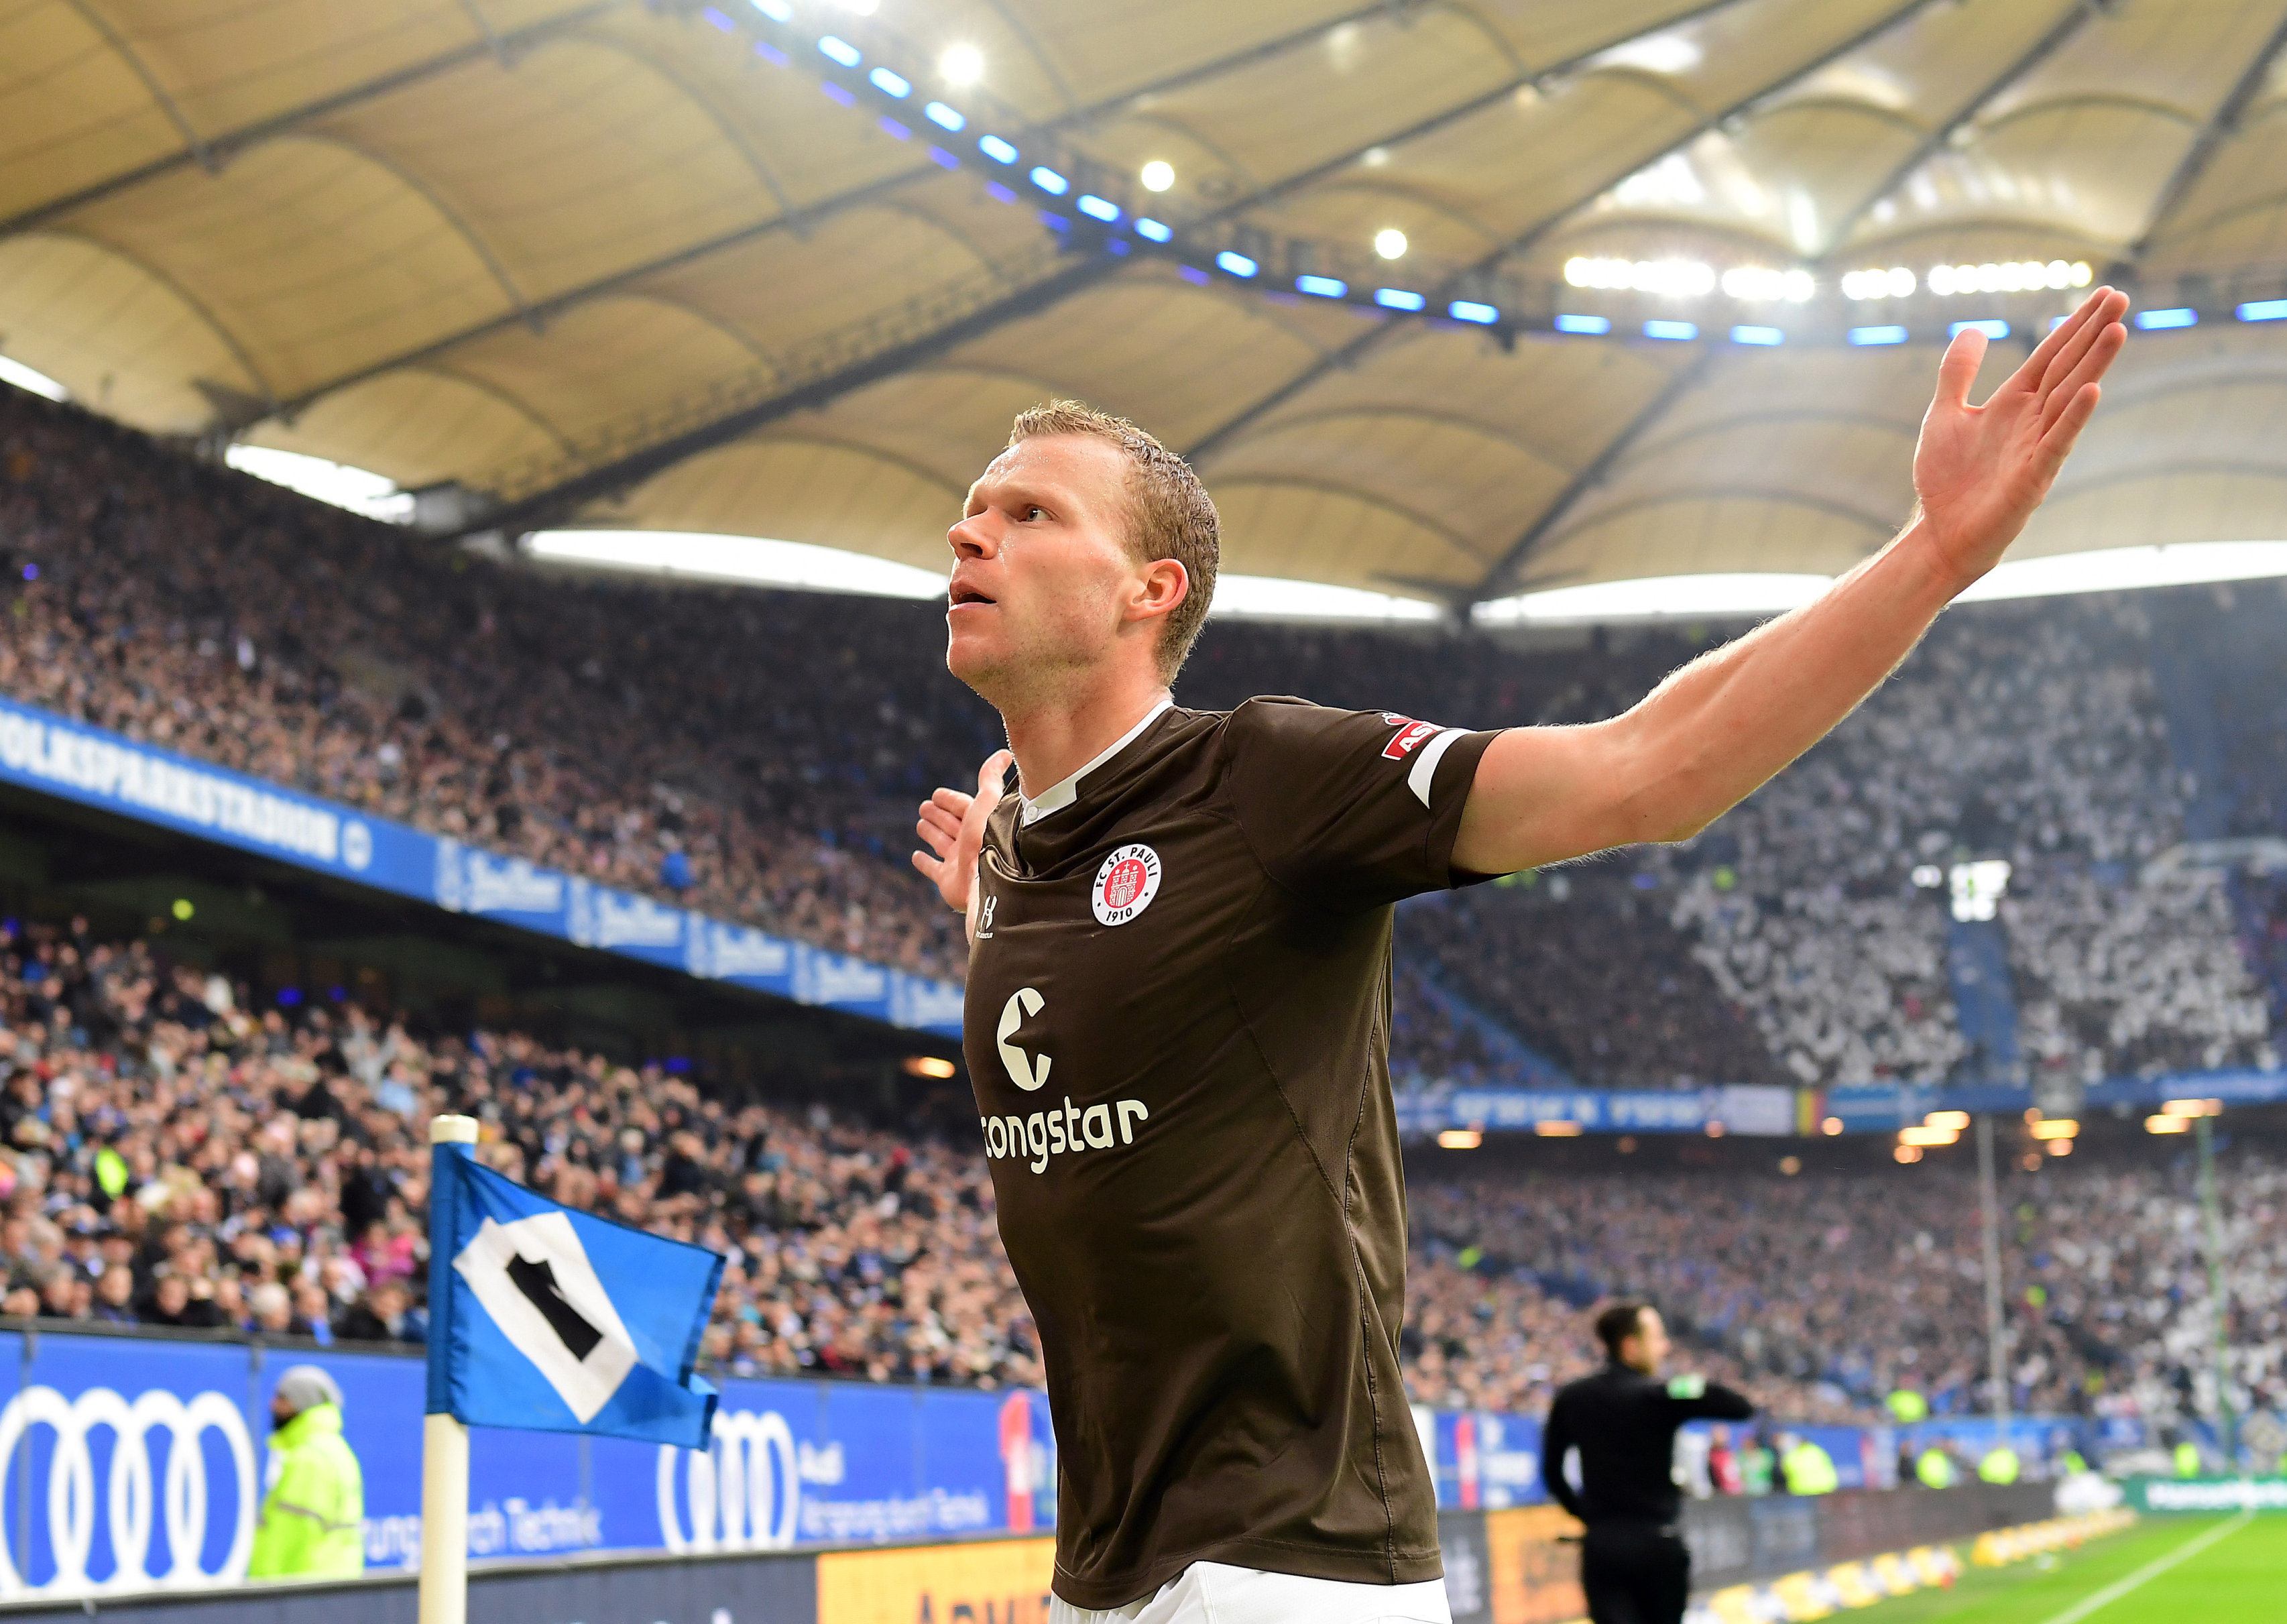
[[1277, 719]]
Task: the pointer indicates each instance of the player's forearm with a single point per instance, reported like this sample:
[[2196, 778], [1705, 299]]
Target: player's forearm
[[1725, 725]]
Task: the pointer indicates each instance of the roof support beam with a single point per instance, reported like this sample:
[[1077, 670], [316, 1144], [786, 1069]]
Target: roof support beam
[[705, 103], [191, 301], [445, 211], [2221, 125], [1351, 353], [1687, 377], [2076, 14], [194, 144], [545, 506], [212, 153]]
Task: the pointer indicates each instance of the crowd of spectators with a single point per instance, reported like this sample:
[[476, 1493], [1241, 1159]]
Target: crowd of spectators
[[704, 746], [1602, 984], [730, 750], [2026, 734], [1842, 1293], [172, 1154]]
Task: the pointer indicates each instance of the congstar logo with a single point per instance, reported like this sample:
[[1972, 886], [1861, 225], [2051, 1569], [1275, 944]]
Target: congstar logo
[[1033, 1139]]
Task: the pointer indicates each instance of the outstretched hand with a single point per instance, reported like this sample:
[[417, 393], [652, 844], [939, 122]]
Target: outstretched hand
[[1981, 470], [952, 827]]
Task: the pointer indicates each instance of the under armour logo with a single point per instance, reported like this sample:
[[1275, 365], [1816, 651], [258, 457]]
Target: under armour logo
[[985, 921], [1021, 1002]]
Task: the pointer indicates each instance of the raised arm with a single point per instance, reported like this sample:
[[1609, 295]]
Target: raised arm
[[1715, 730]]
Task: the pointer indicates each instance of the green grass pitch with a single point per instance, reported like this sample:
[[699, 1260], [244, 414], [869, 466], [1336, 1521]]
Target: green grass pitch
[[2237, 1576]]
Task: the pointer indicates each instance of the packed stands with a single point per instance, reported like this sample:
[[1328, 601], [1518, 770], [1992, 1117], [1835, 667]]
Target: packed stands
[[734, 750], [709, 747], [173, 1153], [1841, 1299]]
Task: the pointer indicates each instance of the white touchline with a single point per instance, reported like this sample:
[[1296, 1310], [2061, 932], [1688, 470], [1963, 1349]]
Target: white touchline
[[2150, 1571]]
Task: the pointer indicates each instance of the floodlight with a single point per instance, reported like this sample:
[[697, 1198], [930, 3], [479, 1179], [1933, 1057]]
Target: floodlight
[[1237, 264], [1153, 229], [1399, 298], [1389, 242], [1682, 332], [1765, 335], [1595, 326], [1469, 310], [1990, 327], [2150, 320], [1322, 287], [1158, 174], [960, 65], [1876, 335], [993, 147], [944, 117], [1097, 208], [1049, 181], [891, 84], [840, 50]]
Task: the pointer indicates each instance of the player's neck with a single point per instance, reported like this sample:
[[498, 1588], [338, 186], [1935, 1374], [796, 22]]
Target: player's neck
[[1056, 738]]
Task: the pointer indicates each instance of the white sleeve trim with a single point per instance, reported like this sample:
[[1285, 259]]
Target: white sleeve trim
[[1425, 763]]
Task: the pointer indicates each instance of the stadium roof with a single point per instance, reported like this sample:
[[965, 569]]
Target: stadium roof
[[758, 269]]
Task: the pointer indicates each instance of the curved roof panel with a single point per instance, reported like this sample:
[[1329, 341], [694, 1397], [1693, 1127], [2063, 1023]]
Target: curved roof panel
[[689, 265]]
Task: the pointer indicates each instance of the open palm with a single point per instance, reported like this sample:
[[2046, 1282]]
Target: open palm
[[1981, 470]]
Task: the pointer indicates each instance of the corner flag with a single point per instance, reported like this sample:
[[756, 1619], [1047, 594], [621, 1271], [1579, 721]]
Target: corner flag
[[552, 1319]]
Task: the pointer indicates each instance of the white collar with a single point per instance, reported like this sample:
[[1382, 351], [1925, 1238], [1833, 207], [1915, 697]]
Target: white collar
[[1057, 797]]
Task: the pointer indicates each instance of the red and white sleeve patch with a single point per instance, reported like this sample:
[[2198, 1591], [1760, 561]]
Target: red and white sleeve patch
[[1411, 736]]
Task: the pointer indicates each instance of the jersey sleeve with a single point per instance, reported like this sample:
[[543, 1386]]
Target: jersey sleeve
[[1353, 808], [1696, 1398]]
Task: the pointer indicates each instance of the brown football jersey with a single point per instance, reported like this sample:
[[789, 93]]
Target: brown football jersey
[[1178, 1029]]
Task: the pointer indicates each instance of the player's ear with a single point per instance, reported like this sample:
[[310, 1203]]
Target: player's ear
[[1161, 586]]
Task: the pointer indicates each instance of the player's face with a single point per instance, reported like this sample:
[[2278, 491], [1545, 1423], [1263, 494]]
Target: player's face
[[1651, 1343], [1041, 568]]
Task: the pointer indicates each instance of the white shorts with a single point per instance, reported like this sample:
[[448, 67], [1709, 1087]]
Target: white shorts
[[1210, 1593]]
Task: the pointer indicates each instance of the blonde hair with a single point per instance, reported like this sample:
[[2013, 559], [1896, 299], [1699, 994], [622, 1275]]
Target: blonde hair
[[1173, 517]]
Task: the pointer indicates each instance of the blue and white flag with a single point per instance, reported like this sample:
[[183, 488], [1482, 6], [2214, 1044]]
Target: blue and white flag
[[559, 1321]]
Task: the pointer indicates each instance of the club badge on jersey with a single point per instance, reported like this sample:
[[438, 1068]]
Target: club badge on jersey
[[1125, 885]]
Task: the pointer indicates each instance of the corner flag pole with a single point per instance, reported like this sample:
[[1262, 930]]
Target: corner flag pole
[[444, 1596]]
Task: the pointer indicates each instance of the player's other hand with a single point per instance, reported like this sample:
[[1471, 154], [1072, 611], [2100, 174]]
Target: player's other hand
[[1981, 470], [953, 827]]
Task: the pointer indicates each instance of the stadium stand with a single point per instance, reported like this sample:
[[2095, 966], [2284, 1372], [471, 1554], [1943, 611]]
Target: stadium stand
[[716, 746], [173, 1153]]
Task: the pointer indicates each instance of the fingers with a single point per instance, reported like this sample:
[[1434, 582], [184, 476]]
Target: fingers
[[946, 818], [2088, 328], [989, 775], [937, 837], [2040, 364], [2057, 444], [930, 866], [2103, 349], [1958, 369]]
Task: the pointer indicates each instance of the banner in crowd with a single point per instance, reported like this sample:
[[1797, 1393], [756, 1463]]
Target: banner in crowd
[[95, 767], [1425, 1110]]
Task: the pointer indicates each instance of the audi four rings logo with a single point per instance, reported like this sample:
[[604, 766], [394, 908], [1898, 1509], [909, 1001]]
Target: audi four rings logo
[[139, 1498], [745, 1491]]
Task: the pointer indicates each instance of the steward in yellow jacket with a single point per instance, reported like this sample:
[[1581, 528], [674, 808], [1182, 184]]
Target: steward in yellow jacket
[[313, 1522]]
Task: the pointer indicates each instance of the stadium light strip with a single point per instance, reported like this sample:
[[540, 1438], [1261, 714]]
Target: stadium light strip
[[1098, 218], [744, 560], [1720, 597]]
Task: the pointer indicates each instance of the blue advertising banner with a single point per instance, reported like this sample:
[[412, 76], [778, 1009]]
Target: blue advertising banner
[[95, 767], [128, 1464]]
